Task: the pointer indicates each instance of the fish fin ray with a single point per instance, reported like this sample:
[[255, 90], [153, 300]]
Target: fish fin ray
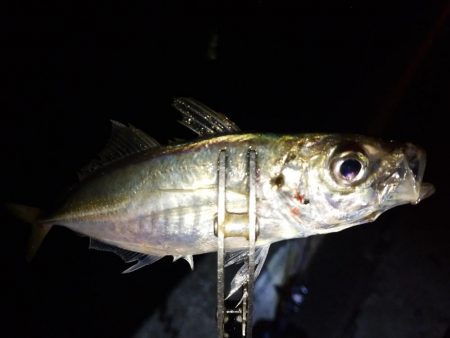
[[187, 258], [126, 255], [201, 119], [31, 216], [235, 257], [124, 141], [239, 278], [190, 260], [142, 261], [176, 141]]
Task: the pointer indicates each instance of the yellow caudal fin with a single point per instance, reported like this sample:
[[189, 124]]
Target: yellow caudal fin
[[38, 231]]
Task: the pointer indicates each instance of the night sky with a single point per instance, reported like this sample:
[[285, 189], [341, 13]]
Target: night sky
[[68, 67]]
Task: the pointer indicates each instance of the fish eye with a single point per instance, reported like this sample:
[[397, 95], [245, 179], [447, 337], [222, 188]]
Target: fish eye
[[349, 168]]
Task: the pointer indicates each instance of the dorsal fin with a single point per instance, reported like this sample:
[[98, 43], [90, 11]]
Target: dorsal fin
[[124, 141], [126, 255], [201, 119]]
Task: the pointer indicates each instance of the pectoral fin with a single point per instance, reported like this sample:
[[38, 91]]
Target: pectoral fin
[[241, 276]]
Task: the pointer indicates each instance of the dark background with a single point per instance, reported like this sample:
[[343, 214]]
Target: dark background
[[375, 68]]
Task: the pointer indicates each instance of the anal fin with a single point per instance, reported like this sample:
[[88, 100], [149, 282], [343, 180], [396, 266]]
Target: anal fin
[[142, 261], [127, 256]]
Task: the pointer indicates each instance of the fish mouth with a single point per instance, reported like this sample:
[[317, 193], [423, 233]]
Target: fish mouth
[[426, 190], [416, 159], [405, 184]]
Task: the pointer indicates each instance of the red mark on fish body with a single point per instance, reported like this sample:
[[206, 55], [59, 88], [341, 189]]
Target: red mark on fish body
[[299, 198], [295, 211]]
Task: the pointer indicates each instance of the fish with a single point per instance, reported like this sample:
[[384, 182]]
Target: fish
[[143, 201]]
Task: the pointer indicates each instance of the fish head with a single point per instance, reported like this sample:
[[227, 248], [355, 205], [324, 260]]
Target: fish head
[[350, 180]]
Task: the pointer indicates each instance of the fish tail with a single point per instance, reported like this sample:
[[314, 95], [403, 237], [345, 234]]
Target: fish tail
[[39, 230]]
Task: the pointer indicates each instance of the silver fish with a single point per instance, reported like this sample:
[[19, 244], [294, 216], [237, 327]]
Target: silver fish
[[153, 200]]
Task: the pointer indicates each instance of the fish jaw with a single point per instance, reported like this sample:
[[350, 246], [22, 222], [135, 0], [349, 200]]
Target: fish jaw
[[426, 190], [405, 185]]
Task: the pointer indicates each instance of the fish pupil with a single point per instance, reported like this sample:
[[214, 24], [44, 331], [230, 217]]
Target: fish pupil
[[350, 168]]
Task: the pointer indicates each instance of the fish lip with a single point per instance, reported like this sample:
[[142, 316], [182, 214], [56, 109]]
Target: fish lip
[[426, 190], [405, 183], [416, 160]]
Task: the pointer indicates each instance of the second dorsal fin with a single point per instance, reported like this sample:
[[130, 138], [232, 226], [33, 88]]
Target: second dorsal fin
[[203, 120], [124, 141]]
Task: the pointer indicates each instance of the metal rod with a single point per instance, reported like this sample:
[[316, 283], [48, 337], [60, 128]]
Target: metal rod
[[221, 209], [251, 237], [232, 225]]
